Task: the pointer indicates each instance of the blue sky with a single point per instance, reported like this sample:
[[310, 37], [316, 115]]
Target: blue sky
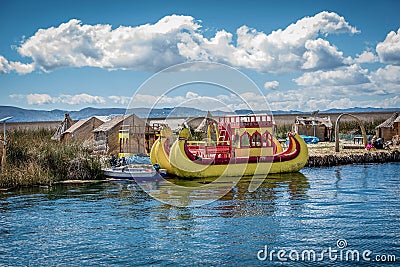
[[302, 54]]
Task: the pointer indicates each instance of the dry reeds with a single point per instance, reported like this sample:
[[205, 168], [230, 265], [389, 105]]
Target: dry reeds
[[34, 159]]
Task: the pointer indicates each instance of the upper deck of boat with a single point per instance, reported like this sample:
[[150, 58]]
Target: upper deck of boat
[[247, 121]]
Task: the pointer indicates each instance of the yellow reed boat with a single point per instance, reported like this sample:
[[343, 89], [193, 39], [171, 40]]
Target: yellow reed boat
[[244, 146]]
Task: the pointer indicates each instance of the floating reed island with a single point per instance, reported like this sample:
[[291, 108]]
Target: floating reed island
[[368, 157], [324, 155], [32, 158]]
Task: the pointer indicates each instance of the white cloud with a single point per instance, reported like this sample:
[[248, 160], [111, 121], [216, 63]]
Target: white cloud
[[39, 99], [123, 100], [341, 103], [22, 68], [191, 99], [43, 99], [80, 99], [190, 95], [366, 57], [387, 75], [73, 44], [175, 39], [280, 51], [271, 85], [4, 65], [389, 49], [321, 54], [350, 75], [306, 99], [391, 101], [17, 96], [387, 79]]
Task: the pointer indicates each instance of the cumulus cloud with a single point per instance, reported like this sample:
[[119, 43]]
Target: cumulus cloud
[[387, 78], [176, 39], [391, 101], [389, 49], [271, 85], [227, 102], [39, 99], [22, 68], [366, 57], [4, 65], [123, 100], [73, 44], [43, 99], [321, 54], [388, 74], [80, 99], [306, 99], [350, 75], [285, 50]]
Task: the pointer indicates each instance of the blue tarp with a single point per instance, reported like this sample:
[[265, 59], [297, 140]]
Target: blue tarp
[[137, 160], [310, 139], [307, 139]]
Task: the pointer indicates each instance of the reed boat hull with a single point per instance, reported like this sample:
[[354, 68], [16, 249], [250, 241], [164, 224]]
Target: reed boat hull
[[291, 160], [159, 155], [280, 165]]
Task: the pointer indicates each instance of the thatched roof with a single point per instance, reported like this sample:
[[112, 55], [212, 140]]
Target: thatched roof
[[389, 122], [173, 123], [65, 125], [204, 124], [79, 124], [319, 121], [109, 125]]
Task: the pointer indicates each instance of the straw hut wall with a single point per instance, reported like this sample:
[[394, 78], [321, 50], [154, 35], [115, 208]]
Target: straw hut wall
[[122, 134], [323, 127], [388, 128], [396, 125], [83, 129]]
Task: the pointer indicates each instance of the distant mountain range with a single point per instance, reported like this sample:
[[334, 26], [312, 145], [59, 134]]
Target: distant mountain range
[[27, 115]]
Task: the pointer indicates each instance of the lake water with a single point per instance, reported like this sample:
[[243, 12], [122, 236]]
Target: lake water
[[117, 224]]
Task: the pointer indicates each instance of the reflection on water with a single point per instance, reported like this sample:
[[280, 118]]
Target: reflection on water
[[197, 192], [116, 223], [237, 205]]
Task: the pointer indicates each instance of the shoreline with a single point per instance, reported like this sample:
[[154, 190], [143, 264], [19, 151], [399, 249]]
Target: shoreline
[[314, 161], [329, 160]]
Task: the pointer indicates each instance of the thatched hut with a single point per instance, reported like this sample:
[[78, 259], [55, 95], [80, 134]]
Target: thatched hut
[[205, 122], [396, 125], [83, 129], [65, 125], [207, 127], [174, 123], [389, 127], [122, 134], [322, 125]]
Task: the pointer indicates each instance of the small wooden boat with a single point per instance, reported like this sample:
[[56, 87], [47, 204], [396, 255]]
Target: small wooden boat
[[131, 173]]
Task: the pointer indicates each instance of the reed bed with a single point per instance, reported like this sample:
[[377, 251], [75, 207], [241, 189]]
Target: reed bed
[[344, 159], [34, 159]]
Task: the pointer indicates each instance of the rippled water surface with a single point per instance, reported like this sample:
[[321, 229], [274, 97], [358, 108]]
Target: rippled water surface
[[116, 223]]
